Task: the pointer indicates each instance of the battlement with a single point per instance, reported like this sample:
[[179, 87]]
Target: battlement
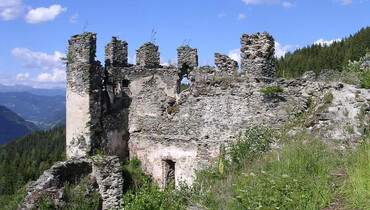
[[148, 56], [116, 53], [82, 48]]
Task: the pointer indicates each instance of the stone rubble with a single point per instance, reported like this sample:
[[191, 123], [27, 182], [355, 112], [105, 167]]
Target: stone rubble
[[105, 173]]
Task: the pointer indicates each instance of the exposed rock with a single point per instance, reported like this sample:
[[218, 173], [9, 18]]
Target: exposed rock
[[326, 74], [309, 75]]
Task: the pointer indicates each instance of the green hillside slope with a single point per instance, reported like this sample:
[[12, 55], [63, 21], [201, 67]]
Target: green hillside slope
[[13, 126], [44, 111], [319, 57], [26, 158]]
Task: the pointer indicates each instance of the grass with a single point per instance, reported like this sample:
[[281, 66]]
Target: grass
[[299, 176], [328, 98], [271, 90], [365, 80], [357, 186], [302, 173]]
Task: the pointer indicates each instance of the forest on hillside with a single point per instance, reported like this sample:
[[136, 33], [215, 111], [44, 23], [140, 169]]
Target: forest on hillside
[[26, 158], [318, 57]]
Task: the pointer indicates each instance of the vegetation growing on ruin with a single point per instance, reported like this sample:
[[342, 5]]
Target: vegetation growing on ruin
[[271, 90], [79, 196]]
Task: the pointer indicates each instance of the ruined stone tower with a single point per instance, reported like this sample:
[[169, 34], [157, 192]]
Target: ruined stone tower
[[83, 96], [257, 55]]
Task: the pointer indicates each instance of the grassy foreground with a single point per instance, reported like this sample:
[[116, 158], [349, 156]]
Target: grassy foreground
[[262, 170], [301, 173]]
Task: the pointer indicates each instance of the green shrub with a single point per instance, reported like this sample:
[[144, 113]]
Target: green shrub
[[272, 90], [365, 80], [145, 194], [328, 98], [78, 198], [250, 144]]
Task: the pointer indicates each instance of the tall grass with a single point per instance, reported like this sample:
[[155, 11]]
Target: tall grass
[[298, 176], [302, 173], [357, 186]]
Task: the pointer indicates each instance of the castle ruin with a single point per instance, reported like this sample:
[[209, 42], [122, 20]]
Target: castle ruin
[[126, 111], [138, 110]]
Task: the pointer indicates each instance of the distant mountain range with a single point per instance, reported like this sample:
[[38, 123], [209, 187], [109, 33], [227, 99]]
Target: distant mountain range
[[44, 111], [13, 126], [35, 91]]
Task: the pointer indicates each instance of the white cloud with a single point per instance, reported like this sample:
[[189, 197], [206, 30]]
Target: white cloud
[[280, 50], [235, 55], [241, 16], [259, 1], [23, 76], [57, 76], [324, 42], [73, 18], [132, 59], [343, 2], [11, 9], [221, 15], [42, 14], [347, 2], [287, 4], [43, 61]]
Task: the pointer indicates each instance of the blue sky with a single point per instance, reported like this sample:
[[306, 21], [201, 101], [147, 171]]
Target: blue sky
[[34, 34]]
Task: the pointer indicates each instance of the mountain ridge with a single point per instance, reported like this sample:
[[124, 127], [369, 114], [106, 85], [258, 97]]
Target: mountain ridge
[[35, 91]]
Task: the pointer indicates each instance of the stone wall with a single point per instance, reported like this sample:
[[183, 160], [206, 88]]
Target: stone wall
[[104, 175], [83, 102], [226, 66], [187, 57], [257, 55]]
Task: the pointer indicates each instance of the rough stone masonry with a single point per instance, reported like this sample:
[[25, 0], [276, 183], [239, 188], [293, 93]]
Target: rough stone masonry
[[138, 111]]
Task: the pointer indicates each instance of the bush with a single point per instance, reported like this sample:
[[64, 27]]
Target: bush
[[145, 193], [272, 90], [250, 144], [365, 80]]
